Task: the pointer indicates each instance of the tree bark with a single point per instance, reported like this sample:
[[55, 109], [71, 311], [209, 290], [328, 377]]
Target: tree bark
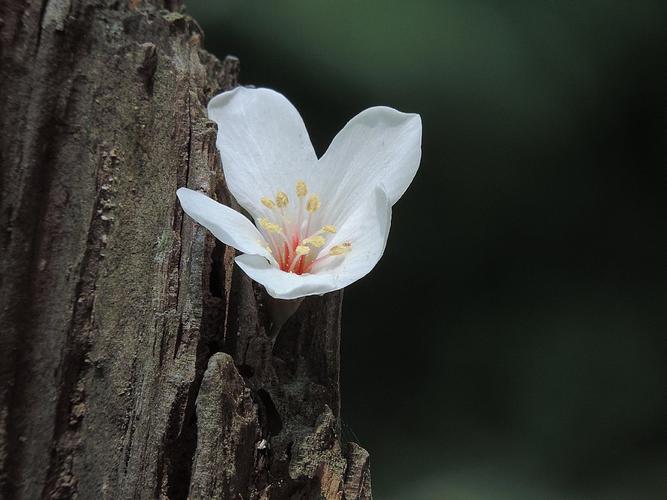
[[135, 359]]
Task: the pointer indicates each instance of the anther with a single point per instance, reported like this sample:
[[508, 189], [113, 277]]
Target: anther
[[301, 189], [269, 226], [313, 204], [281, 199], [267, 202], [302, 250], [329, 229], [317, 241], [341, 249]]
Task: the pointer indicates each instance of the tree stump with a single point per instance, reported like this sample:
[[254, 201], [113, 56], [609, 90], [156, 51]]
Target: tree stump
[[135, 359]]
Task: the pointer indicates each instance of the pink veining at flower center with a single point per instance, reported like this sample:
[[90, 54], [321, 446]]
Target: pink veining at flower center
[[290, 235]]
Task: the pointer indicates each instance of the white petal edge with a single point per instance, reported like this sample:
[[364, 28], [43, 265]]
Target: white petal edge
[[378, 146], [282, 285], [226, 224], [263, 144], [369, 229]]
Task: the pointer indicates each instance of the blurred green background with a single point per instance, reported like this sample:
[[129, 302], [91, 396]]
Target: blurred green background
[[511, 343]]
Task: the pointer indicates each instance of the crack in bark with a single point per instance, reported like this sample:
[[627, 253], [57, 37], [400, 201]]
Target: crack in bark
[[42, 13], [180, 453], [61, 483]]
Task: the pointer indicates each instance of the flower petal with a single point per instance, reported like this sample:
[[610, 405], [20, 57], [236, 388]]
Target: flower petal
[[263, 144], [378, 146], [367, 229], [226, 224], [282, 285]]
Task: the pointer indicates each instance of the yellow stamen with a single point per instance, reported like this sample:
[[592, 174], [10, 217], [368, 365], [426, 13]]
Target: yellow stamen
[[317, 241], [269, 226], [313, 204], [329, 229], [301, 189], [302, 250], [267, 202], [281, 199], [341, 249]]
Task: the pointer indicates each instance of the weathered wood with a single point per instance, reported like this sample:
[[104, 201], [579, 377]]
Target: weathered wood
[[135, 359]]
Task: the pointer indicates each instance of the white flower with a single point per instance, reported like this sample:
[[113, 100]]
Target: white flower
[[319, 224]]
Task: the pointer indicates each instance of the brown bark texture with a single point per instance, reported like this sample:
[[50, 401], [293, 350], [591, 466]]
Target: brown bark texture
[[135, 359]]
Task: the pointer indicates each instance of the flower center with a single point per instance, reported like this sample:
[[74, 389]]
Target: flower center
[[290, 235]]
